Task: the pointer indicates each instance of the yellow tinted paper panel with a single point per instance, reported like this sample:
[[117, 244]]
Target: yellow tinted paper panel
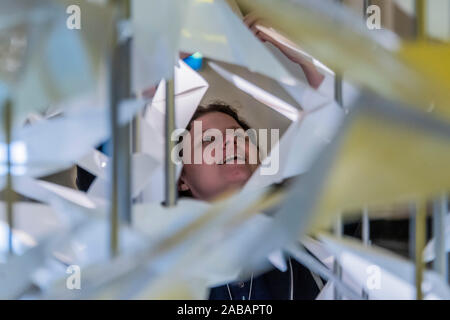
[[384, 162]]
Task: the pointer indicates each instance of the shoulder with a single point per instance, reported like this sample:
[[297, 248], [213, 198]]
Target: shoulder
[[297, 278]]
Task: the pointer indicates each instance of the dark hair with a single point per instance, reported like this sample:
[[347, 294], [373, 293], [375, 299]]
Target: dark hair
[[218, 107], [213, 107]]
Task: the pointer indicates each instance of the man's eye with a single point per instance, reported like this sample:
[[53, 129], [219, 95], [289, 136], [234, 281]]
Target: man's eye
[[208, 139], [239, 134]]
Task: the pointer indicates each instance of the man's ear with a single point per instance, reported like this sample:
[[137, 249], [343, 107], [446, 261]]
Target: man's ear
[[182, 185]]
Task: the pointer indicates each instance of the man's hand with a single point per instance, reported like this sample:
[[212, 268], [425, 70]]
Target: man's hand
[[313, 76]]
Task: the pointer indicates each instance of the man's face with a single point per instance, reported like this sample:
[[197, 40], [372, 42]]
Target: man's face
[[206, 181]]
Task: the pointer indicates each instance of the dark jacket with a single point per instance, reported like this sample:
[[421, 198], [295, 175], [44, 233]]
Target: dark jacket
[[272, 285]]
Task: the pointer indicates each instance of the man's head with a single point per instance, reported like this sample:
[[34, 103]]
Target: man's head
[[232, 168]]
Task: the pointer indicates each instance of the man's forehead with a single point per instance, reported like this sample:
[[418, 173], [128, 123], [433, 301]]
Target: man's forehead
[[217, 120]]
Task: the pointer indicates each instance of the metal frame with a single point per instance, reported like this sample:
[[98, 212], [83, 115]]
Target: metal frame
[[9, 192], [440, 212], [170, 174], [119, 89]]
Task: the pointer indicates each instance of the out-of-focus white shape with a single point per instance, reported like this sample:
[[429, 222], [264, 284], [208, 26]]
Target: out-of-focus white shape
[[408, 6], [18, 152], [307, 135], [193, 243], [35, 220], [318, 250], [225, 263], [32, 222], [262, 235], [67, 71], [76, 197], [347, 287], [438, 19], [327, 292], [16, 12], [193, 257], [91, 244], [429, 253], [76, 134], [43, 275], [15, 276], [47, 63], [19, 157], [58, 196], [154, 190], [382, 274], [311, 99], [21, 241], [277, 259], [156, 28], [14, 39], [279, 153], [160, 223], [56, 144], [324, 255], [318, 125], [235, 8], [157, 221], [84, 245], [36, 226], [315, 131], [175, 286], [128, 109], [80, 220], [259, 94], [196, 243], [301, 144], [212, 28], [97, 163], [206, 244]]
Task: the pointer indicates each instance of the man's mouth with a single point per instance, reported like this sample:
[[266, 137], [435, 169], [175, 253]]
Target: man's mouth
[[233, 159]]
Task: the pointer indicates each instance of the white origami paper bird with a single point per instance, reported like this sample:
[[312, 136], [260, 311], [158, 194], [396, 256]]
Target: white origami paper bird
[[189, 90]]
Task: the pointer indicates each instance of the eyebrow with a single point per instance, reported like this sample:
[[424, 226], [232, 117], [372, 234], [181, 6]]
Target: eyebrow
[[232, 127]]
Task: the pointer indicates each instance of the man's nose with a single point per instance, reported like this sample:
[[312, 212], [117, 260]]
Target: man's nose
[[229, 141]]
